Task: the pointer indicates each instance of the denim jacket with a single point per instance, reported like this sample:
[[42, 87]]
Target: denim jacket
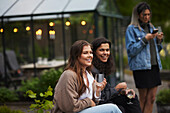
[[138, 50]]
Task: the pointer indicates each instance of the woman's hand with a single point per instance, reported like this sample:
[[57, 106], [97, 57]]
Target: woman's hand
[[100, 86], [130, 90], [150, 36], [93, 103], [160, 36], [121, 85]]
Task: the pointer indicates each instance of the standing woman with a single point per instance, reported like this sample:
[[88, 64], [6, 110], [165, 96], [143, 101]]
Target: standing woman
[[74, 92], [143, 49]]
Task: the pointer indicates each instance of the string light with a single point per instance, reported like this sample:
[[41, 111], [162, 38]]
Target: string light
[[28, 28], [1, 30], [15, 30], [67, 23], [51, 24], [83, 22], [52, 34], [39, 34]]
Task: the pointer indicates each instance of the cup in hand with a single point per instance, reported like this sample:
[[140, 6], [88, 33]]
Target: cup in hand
[[130, 96], [99, 78]]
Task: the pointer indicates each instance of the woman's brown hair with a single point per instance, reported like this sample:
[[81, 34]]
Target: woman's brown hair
[[74, 64]]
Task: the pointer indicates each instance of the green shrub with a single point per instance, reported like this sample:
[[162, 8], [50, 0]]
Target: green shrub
[[38, 85], [163, 97], [5, 109], [49, 78], [29, 85], [165, 62], [165, 56], [8, 95]]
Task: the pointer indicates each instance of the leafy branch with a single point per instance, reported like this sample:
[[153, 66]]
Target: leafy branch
[[41, 105]]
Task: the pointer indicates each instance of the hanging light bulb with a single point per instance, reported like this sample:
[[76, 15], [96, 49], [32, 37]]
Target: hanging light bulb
[[1, 30], [28, 28], [67, 23], [39, 34], [51, 24], [83, 22], [15, 30], [52, 34]]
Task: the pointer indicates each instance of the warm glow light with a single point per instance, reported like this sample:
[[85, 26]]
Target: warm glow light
[[38, 34], [15, 30], [68, 23], [52, 34], [28, 28], [83, 22], [1, 30], [51, 24], [90, 31]]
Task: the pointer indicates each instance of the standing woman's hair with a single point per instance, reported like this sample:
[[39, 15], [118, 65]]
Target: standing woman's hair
[[74, 64], [107, 67], [139, 8]]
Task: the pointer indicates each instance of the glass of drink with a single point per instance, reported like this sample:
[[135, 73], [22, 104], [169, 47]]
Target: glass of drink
[[130, 96], [99, 78]]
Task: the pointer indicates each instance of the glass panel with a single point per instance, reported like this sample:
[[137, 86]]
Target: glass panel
[[81, 5], [5, 4], [51, 6], [109, 8], [23, 7]]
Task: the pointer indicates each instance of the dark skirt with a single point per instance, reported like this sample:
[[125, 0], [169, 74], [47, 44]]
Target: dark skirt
[[147, 78]]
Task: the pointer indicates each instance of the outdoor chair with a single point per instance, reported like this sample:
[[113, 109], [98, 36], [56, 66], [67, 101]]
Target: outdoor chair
[[7, 79], [13, 64]]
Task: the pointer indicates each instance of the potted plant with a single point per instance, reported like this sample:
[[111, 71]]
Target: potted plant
[[163, 101]]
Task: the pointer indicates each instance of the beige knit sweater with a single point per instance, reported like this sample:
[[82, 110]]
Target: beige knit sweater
[[66, 94]]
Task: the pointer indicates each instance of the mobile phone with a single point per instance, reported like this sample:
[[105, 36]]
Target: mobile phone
[[155, 31]]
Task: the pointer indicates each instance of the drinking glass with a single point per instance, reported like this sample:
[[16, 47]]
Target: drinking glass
[[130, 96], [99, 78], [39, 62]]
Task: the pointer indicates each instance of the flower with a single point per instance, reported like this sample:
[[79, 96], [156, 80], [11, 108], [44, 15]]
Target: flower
[[162, 53]]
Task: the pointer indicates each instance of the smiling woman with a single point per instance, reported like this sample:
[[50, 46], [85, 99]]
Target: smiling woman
[[86, 57], [77, 85]]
